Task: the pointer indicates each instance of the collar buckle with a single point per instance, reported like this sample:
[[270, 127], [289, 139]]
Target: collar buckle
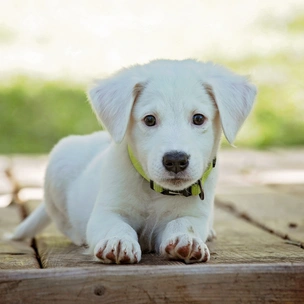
[[186, 192], [202, 194]]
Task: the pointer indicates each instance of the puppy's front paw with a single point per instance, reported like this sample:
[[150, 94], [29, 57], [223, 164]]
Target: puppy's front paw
[[186, 248], [123, 250]]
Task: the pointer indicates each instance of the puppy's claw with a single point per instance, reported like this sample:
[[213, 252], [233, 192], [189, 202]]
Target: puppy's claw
[[186, 248], [118, 251]]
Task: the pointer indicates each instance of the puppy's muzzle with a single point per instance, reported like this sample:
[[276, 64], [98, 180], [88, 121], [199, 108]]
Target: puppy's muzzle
[[176, 161]]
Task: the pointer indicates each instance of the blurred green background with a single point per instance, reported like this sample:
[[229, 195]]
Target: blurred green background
[[36, 112]]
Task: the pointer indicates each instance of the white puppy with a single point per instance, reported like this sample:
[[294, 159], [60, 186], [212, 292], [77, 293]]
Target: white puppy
[[148, 183]]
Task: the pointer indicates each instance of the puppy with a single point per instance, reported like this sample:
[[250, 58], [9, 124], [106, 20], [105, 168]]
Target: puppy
[[148, 183]]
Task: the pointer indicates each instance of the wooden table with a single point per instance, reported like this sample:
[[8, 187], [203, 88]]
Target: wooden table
[[258, 256]]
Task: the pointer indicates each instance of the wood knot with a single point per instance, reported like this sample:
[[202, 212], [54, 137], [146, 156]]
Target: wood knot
[[99, 290]]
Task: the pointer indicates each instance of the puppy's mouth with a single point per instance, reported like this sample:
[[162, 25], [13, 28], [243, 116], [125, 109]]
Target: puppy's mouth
[[176, 183]]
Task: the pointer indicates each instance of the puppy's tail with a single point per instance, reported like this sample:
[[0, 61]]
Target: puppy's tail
[[33, 224]]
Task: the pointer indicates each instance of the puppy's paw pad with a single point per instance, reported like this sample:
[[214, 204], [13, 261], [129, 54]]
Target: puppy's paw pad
[[118, 251], [184, 251], [186, 248]]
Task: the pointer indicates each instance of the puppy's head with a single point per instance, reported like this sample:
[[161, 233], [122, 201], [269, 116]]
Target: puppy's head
[[172, 113]]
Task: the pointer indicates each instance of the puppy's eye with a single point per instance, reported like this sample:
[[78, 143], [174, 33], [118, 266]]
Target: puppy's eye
[[198, 119], [150, 120]]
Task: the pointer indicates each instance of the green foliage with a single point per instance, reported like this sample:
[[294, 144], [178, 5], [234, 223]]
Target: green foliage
[[297, 24], [34, 115], [277, 120], [278, 115], [6, 35]]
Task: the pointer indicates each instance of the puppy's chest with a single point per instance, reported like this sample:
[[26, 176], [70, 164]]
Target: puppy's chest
[[154, 220], [148, 232]]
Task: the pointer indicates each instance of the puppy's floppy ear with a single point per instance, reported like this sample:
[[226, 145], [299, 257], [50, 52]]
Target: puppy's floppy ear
[[112, 101], [234, 97]]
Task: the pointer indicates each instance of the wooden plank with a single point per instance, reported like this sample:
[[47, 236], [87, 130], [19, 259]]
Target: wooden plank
[[5, 184], [56, 251], [277, 207], [246, 266], [278, 212], [291, 157], [245, 160], [237, 242], [241, 167], [254, 283], [297, 190], [279, 176], [14, 255]]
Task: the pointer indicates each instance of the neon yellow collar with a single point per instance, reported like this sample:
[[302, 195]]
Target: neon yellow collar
[[195, 189]]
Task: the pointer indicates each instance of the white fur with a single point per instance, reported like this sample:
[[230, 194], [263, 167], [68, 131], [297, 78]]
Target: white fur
[[94, 194]]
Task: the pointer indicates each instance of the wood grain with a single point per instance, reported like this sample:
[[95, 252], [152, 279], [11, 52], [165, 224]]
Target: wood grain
[[14, 255], [248, 263], [241, 242], [56, 251], [237, 242], [202, 283], [279, 212]]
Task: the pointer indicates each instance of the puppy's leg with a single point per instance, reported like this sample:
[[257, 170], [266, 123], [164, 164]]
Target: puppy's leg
[[212, 233], [183, 239], [62, 222], [112, 240]]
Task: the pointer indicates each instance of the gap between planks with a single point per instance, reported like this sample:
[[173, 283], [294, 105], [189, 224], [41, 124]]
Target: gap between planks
[[229, 207], [16, 188], [238, 242], [47, 258], [24, 212]]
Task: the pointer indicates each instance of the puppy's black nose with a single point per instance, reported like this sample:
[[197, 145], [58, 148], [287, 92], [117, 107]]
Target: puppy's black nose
[[176, 161]]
